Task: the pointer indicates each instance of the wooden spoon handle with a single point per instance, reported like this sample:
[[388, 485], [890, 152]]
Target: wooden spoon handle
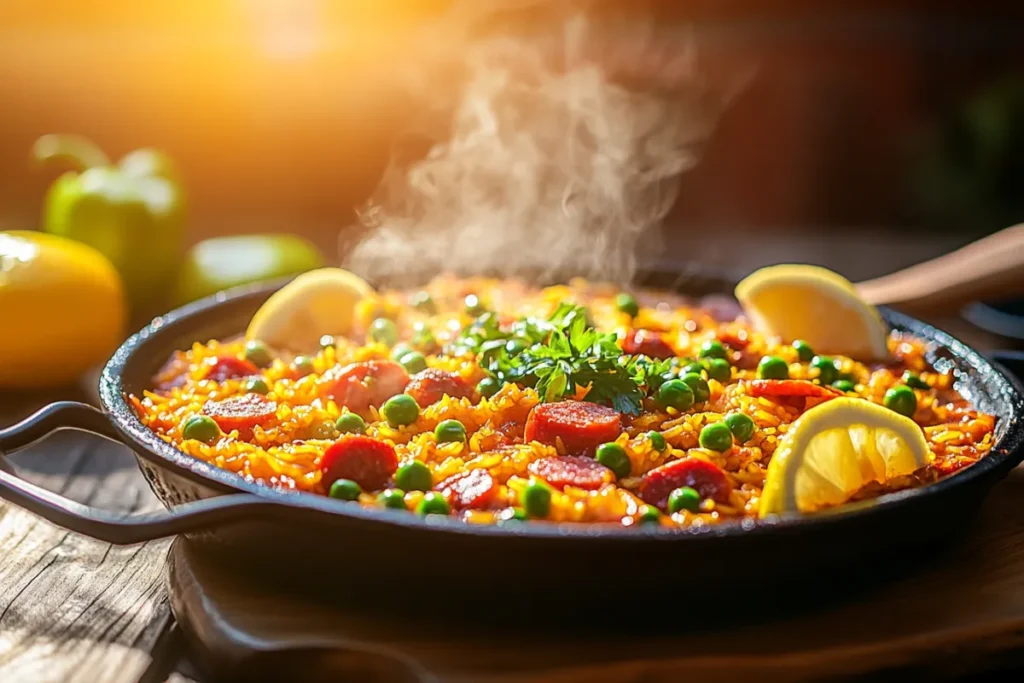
[[991, 268]]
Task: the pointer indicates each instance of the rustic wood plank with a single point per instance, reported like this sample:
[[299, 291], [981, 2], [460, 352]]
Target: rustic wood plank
[[71, 608]]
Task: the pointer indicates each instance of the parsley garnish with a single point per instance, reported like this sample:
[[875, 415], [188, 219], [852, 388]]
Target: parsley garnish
[[558, 354]]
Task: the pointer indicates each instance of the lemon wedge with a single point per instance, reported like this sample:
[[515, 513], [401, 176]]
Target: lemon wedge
[[816, 305], [316, 303], [837, 448]]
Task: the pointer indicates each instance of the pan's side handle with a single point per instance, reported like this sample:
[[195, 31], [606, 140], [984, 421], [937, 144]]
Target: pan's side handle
[[103, 525]]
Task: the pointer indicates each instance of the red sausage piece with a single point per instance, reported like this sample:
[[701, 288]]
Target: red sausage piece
[[230, 367], [361, 385], [572, 470], [472, 490], [707, 478], [648, 343], [366, 461], [429, 386], [787, 388], [241, 412], [581, 425]]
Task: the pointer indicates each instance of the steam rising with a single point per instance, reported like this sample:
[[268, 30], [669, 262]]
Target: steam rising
[[547, 171]]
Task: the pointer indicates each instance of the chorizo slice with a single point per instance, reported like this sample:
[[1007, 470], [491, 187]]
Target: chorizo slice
[[790, 388], [230, 367], [431, 385], [582, 426], [572, 470], [647, 343], [472, 490], [708, 479], [241, 412], [365, 460], [361, 385]]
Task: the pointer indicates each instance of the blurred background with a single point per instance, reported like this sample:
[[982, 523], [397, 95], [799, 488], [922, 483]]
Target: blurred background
[[902, 118]]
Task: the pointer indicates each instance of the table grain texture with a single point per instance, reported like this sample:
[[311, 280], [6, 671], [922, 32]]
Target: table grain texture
[[74, 609]]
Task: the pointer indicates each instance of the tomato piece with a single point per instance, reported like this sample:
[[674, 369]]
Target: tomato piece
[[572, 470], [707, 478], [430, 386], [472, 490], [241, 412], [738, 340], [366, 461], [648, 343], [230, 367], [787, 388], [582, 426], [361, 385]]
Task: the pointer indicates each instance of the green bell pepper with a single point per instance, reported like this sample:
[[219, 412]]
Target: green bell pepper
[[132, 212]]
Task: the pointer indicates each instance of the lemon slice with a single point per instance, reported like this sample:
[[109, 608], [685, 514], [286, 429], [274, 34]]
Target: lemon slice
[[837, 448], [816, 305], [315, 303]]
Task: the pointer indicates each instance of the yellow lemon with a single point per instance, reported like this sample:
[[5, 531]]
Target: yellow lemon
[[835, 449], [814, 304], [62, 307], [316, 303]]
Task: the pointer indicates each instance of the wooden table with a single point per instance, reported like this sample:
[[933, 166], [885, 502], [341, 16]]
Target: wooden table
[[73, 609]]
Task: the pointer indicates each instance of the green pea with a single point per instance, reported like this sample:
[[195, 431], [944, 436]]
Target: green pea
[[716, 437], [201, 428], [303, 365], [692, 369], [627, 304], [803, 350], [827, 371], [914, 381], [772, 367], [844, 385], [400, 410], [699, 387], [345, 489], [257, 353], [433, 503], [414, 476], [393, 499], [350, 423], [383, 331], [901, 399], [324, 429], [719, 369], [713, 348], [684, 498], [474, 306], [450, 431], [648, 514], [422, 301], [327, 341], [413, 362], [536, 499], [512, 516], [675, 394], [255, 385], [657, 441], [741, 426], [399, 350], [488, 387], [613, 456]]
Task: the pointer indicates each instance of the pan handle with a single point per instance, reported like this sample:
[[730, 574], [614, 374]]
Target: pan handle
[[103, 525]]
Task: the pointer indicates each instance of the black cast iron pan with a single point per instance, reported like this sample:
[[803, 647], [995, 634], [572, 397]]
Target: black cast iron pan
[[293, 537]]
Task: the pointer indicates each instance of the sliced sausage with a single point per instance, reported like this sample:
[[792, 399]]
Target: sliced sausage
[[472, 490], [582, 426], [707, 478], [647, 343], [366, 461], [572, 470], [230, 367], [361, 385], [789, 388], [431, 385], [241, 412]]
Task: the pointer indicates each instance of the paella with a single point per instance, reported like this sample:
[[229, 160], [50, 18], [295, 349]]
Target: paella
[[501, 402]]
